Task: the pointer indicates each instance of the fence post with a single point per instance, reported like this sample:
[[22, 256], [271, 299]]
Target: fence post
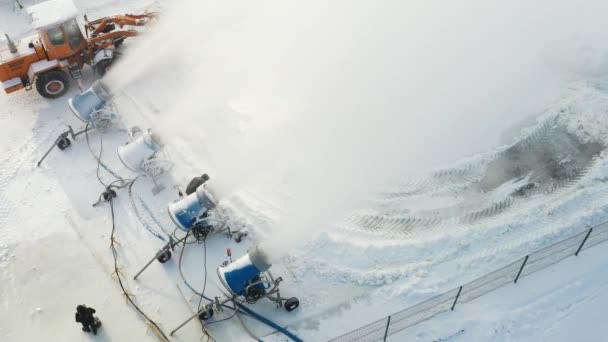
[[388, 323], [456, 299], [521, 268], [583, 243]]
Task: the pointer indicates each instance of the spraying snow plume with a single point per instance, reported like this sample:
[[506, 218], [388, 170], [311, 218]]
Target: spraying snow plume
[[327, 102]]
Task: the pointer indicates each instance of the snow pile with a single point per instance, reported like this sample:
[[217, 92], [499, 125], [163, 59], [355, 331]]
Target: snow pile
[[51, 12], [583, 111]]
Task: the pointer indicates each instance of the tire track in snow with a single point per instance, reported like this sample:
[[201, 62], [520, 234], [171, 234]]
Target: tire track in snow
[[452, 180], [8, 169], [12, 162], [550, 160], [565, 168]]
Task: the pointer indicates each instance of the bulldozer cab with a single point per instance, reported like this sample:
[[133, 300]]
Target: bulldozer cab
[[63, 40], [55, 22]]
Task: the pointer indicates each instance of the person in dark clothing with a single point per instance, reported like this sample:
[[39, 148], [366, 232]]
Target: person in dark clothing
[[85, 317]]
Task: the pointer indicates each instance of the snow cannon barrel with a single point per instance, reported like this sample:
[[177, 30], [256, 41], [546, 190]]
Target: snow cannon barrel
[[134, 154], [189, 209], [92, 100], [241, 273]]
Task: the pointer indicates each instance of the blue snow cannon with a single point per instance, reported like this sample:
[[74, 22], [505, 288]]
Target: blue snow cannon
[[245, 271], [187, 211], [89, 102], [250, 277]]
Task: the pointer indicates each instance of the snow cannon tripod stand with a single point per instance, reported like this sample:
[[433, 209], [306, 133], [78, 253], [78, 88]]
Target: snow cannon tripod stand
[[154, 168], [100, 119], [62, 142], [247, 279], [216, 224], [200, 230], [163, 255]]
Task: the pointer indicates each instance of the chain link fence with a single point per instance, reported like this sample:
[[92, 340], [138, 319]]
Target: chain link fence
[[382, 328]]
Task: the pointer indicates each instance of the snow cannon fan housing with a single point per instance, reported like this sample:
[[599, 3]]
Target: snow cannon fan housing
[[237, 276], [134, 154], [187, 211], [89, 102]]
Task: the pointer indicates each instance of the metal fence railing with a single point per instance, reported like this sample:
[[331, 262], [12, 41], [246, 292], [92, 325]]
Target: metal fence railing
[[542, 258]]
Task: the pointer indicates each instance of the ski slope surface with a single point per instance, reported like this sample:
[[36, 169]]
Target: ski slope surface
[[355, 235]]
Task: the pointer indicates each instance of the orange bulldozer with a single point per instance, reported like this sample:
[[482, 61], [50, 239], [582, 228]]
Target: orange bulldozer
[[59, 50]]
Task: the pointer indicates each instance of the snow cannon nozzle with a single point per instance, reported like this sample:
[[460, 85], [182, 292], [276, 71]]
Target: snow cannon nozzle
[[196, 182], [136, 153], [191, 209], [90, 101]]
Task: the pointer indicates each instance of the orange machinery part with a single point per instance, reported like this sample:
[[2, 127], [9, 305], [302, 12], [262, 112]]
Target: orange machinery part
[[97, 26], [18, 67]]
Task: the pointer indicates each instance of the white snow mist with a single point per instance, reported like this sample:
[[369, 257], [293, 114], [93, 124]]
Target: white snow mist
[[318, 104]]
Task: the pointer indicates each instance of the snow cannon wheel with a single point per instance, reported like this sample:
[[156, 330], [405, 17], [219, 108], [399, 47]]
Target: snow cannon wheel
[[108, 195], [52, 84], [205, 315], [63, 143], [163, 258], [291, 304]]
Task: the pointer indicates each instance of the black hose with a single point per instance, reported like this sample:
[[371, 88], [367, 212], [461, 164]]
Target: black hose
[[99, 162], [140, 218], [205, 274], [240, 309], [124, 291]]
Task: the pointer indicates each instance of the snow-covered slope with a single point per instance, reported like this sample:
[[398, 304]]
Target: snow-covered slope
[[562, 303], [391, 247], [450, 227]]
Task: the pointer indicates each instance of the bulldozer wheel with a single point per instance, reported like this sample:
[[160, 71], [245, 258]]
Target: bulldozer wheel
[[102, 67], [52, 84]]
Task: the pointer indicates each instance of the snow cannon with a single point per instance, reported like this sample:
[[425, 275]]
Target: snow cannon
[[142, 156], [249, 277], [135, 153], [92, 101], [89, 107], [192, 209], [247, 280], [245, 271]]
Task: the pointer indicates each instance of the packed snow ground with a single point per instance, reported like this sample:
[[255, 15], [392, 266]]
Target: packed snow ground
[[54, 253], [562, 303]]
